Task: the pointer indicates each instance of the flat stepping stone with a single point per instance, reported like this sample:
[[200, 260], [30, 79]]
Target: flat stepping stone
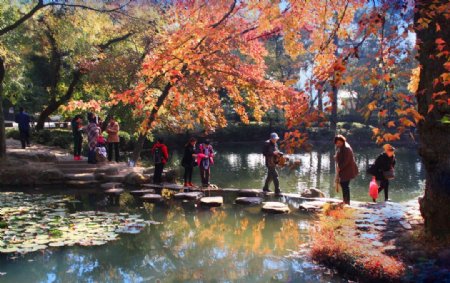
[[114, 191], [312, 205], [174, 187], [80, 177], [249, 200], [250, 193], [151, 186], [152, 198], [230, 190], [211, 201], [111, 185], [142, 192], [189, 195], [275, 207], [75, 183], [406, 225]]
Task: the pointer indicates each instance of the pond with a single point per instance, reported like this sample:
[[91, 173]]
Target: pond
[[225, 244]]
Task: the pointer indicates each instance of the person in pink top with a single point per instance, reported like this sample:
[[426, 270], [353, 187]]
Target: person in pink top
[[205, 158]]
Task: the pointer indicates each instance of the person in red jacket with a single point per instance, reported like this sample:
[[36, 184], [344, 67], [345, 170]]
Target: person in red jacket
[[160, 157]]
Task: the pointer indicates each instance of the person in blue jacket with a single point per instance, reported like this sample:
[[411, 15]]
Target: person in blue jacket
[[23, 119]]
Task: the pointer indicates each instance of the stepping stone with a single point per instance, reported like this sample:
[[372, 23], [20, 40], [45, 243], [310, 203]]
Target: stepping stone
[[189, 196], [151, 186], [369, 236], [211, 201], [111, 185], [312, 205], [406, 225], [152, 198], [75, 183], [250, 193], [249, 200], [80, 177], [142, 192], [174, 187], [275, 207], [114, 191], [114, 178]]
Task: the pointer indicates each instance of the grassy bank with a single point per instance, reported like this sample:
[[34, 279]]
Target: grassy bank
[[336, 246]]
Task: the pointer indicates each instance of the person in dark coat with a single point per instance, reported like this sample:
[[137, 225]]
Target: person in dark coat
[[23, 119], [346, 166], [188, 161], [384, 162], [272, 154], [77, 128]]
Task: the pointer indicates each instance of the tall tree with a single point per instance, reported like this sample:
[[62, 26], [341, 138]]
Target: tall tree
[[209, 49], [432, 25]]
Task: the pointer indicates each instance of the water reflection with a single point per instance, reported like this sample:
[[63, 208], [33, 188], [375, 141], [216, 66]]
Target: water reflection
[[222, 244], [242, 166]]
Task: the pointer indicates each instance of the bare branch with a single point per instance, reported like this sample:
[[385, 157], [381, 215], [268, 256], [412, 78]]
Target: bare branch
[[89, 8]]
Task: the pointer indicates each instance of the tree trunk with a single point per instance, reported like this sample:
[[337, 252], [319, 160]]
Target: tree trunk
[[54, 104], [140, 142], [2, 116], [334, 99], [434, 134]]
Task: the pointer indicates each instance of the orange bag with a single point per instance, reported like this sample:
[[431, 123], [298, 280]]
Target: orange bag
[[373, 188]]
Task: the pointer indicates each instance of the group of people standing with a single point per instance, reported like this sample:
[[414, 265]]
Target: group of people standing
[[201, 156], [96, 142], [346, 167]]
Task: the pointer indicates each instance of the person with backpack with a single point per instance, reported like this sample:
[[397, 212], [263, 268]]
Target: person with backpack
[[345, 165], [113, 139], [383, 169], [77, 128], [23, 119], [160, 157], [205, 158], [272, 155], [188, 161]]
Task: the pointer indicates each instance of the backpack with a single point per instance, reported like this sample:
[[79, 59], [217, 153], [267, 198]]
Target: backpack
[[157, 155], [372, 170]]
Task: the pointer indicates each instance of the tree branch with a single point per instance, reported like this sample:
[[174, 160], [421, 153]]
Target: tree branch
[[41, 5], [89, 8], [25, 17], [233, 5], [110, 42]]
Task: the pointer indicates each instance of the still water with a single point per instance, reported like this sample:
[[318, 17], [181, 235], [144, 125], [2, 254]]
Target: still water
[[227, 244]]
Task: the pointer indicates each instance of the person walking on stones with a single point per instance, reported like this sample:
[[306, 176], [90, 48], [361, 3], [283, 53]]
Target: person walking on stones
[[93, 131], [188, 161], [160, 157], [383, 169], [113, 139], [77, 129], [205, 159], [272, 155], [346, 166], [23, 119]]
